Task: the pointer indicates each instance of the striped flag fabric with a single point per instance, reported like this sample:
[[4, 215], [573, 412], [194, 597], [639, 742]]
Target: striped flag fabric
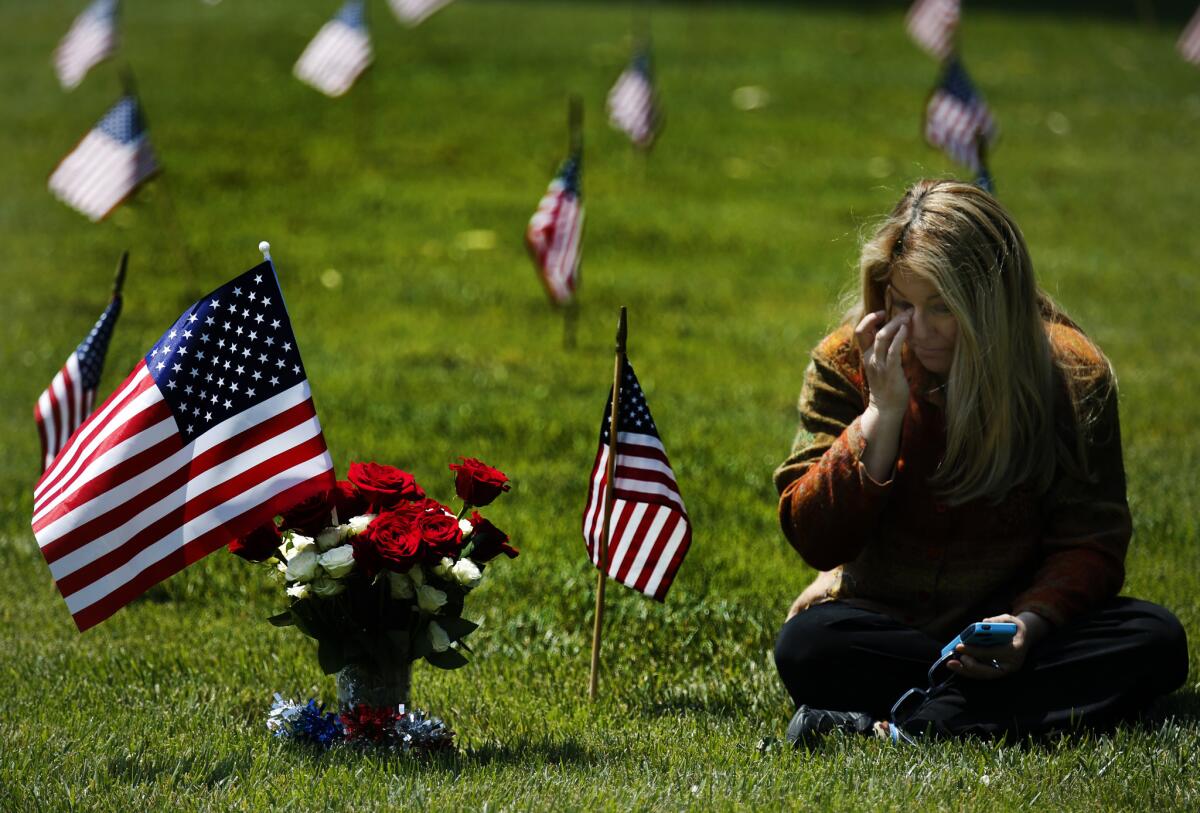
[[91, 39], [414, 12], [933, 24], [633, 102], [650, 530], [957, 118], [72, 393], [212, 434], [339, 53], [111, 161], [555, 233], [1189, 40]]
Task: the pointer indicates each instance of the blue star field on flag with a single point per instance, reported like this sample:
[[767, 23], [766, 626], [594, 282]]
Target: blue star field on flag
[[634, 414], [92, 350], [230, 351]]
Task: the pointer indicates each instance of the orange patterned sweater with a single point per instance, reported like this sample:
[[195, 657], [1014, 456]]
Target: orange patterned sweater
[[897, 549]]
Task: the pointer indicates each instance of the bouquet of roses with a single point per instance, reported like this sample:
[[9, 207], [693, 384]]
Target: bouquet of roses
[[377, 572]]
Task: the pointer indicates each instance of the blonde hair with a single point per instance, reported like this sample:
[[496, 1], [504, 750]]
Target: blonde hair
[[1000, 391]]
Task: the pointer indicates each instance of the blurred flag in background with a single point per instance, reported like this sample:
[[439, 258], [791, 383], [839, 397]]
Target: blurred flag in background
[[111, 161], [91, 39], [339, 52], [555, 232], [933, 25], [958, 120], [633, 101], [414, 12]]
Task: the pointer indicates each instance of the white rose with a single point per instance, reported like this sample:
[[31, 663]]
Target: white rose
[[359, 524], [401, 586], [430, 598], [417, 575], [444, 567], [298, 591], [465, 526], [338, 562], [303, 567], [327, 588], [296, 544], [467, 573], [330, 538], [438, 637]]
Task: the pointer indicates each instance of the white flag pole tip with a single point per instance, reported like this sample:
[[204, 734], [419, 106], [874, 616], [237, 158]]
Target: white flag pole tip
[[265, 248]]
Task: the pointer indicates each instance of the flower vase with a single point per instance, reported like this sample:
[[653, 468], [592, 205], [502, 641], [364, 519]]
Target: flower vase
[[374, 686]]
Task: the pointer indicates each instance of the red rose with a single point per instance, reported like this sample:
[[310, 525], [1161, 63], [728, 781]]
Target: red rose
[[346, 499], [391, 542], [441, 534], [309, 517], [489, 541], [259, 545], [476, 482], [383, 486]]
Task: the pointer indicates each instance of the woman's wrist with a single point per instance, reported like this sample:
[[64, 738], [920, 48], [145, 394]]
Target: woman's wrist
[[881, 431]]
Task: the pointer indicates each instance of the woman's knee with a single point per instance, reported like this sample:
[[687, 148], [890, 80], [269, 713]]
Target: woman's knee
[[807, 640], [1164, 642]]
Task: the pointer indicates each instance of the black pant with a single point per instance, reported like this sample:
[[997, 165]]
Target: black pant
[[1094, 672]]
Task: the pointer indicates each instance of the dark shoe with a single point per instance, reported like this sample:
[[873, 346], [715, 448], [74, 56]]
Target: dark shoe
[[809, 724]]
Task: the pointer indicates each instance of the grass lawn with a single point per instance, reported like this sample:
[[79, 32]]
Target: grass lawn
[[730, 246]]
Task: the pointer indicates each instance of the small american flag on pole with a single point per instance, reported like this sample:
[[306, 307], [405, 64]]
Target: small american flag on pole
[[212, 434], [111, 161], [72, 394], [415, 12], [650, 530], [91, 39], [1189, 40], [933, 25], [555, 232], [339, 52], [957, 119], [633, 102]]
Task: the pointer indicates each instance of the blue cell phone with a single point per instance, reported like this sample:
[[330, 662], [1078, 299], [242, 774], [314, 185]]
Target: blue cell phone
[[983, 633]]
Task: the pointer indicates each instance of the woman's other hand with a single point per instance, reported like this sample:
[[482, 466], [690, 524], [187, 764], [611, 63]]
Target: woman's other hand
[[993, 662], [819, 588]]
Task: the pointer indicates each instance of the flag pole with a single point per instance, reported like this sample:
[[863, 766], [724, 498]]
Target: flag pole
[[602, 575], [119, 279], [574, 145]]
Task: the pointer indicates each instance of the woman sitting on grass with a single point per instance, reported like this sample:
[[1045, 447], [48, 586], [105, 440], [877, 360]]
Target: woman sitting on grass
[[959, 460]]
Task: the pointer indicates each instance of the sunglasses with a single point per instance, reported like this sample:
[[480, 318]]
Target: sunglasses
[[940, 677]]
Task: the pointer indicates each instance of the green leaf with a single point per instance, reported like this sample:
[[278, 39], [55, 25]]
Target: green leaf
[[284, 619], [457, 628], [330, 655], [450, 659]]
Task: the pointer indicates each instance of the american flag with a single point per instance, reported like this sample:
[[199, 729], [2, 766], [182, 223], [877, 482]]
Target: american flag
[[555, 232], [339, 52], [72, 394], [1189, 40], [633, 102], [414, 12], [212, 434], [957, 119], [91, 39], [111, 161], [650, 530], [933, 24]]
